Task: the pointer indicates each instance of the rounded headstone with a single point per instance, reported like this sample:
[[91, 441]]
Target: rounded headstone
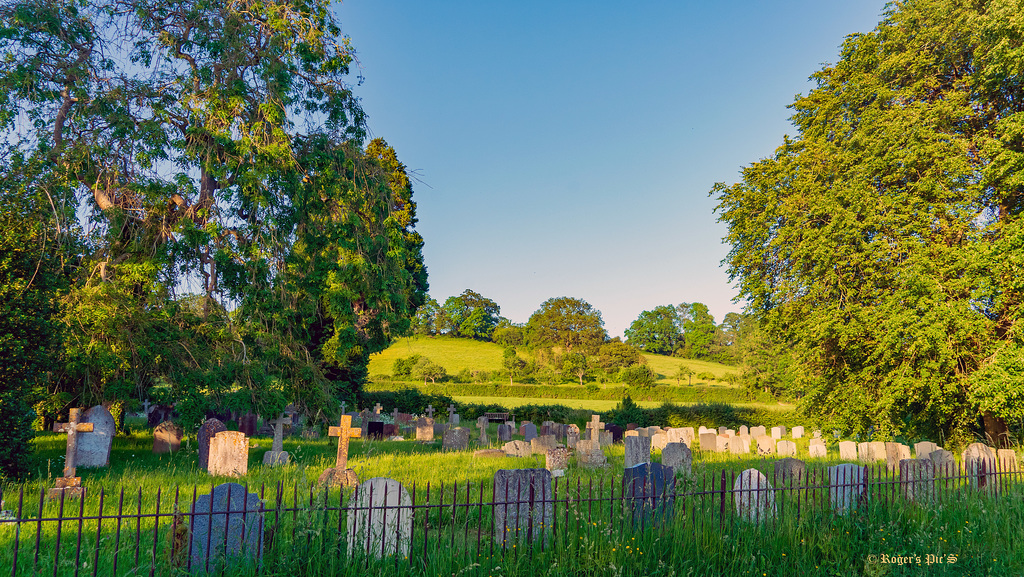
[[753, 496], [207, 431], [94, 447]]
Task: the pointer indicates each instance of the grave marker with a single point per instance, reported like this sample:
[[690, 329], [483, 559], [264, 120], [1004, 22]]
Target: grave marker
[[595, 424], [753, 496], [340, 474], [424, 429], [848, 450], [638, 451], [207, 431], [380, 519], [917, 479], [227, 527], [846, 486], [677, 456], [523, 507], [456, 439], [979, 463], [229, 454], [557, 461], [277, 455], [648, 490], [94, 448], [167, 438], [70, 486]]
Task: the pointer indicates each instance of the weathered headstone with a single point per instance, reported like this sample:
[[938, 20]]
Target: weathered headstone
[[917, 479], [739, 445], [979, 463], [523, 506], [593, 426], [572, 436], [894, 453], [847, 450], [708, 442], [229, 454], [504, 433], [542, 444], [722, 443], [722, 430], [817, 448], [430, 412], [765, 445], [528, 431], [777, 433], [589, 454], [606, 438], [380, 519], [753, 496], [70, 486], [167, 437], [677, 456], [756, 432], [1007, 460], [94, 448], [247, 424], [277, 455], [375, 430], [481, 424], [517, 449], [557, 461], [744, 430], [376, 410], [945, 464], [846, 486], [638, 450], [424, 429], [789, 471], [649, 490], [924, 448], [227, 528], [615, 431], [658, 441], [456, 439], [340, 474], [207, 431], [878, 450], [786, 448], [797, 433], [489, 453]]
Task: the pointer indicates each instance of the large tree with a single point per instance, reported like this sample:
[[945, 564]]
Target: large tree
[[699, 330], [657, 331], [470, 315], [883, 245], [247, 246], [566, 322]]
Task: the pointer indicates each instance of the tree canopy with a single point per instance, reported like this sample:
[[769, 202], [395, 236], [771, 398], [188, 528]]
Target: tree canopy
[[882, 244], [246, 247], [567, 322], [657, 331]]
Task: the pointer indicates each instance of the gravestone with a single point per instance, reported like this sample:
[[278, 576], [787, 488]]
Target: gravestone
[[845, 486], [375, 430], [757, 432], [878, 450], [649, 491], [528, 431], [94, 448], [229, 454], [1007, 460], [817, 448], [638, 450], [744, 430], [631, 426], [277, 455], [778, 432], [658, 441], [380, 519], [265, 431], [247, 424], [456, 439], [722, 430], [593, 426], [490, 453], [207, 430], [917, 479], [616, 432], [708, 442], [847, 450], [739, 445], [590, 455], [377, 409], [70, 486], [557, 461], [797, 433], [924, 448], [453, 417], [894, 453], [504, 433], [632, 433], [542, 444], [424, 429], [523, 507], [227, 528], [572, 436], [786, 448], [979, 463], [605, 438], [158, 414], [340, 475], [481, 424], [677, 456], [753, 496], [517, 449], [816, 434], [167, 437], [765, 445], [944, 462], [391, 430], [789, 471], [722, 443]]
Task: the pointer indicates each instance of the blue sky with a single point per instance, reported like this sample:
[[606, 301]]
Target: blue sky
[[566, 148]]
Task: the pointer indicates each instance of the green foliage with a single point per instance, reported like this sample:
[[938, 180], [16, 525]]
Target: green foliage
[[615, 354], [627, 412], [509, 336], [657, 331], [576, 365], [513, 364], [699, 331], [640, 376], [427, 369], [882, 244], [566, 322], [411, 401], [403, 366], [469, 315]]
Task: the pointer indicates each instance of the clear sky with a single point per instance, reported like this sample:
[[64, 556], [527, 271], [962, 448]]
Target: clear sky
[[567, 148]]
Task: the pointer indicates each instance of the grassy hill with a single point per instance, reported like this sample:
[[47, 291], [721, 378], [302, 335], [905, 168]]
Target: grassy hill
[[457, 354]]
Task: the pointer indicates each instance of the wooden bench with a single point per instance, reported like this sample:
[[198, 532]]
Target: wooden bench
[[500, 417]]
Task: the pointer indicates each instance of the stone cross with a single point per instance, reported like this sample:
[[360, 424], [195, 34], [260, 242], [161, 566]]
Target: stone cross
[[72, 428], [595, 425], [145, 407], [377, 408], [343, 405], [430, 411], [394, 416], [344, 431], [279, 424], [451, 413]]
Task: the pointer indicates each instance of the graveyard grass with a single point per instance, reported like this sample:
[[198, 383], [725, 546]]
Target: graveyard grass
[[981, 532]]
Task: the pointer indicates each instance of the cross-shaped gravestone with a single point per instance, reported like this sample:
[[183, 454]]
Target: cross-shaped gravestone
[[377, 408], [72, 428], [145, 407], [430, 411], [394, 416], [595, 425], [343, 405], [344, 431], [279, 424], [451, 413]]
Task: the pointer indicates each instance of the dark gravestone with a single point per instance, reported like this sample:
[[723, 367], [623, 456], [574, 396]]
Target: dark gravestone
[[206, 433], [227, 528], [94, 448], [631, 426], [529, 431], [375, 430], [247, 424], [523, 508], [649, 491], [158, 414], [616, 432], [390, 430]]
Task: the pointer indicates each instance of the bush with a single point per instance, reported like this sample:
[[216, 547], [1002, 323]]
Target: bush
[[403, 367], [629, 412], [638, 375]]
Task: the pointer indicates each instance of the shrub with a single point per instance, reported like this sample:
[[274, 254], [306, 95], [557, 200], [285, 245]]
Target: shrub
[[638, 375]]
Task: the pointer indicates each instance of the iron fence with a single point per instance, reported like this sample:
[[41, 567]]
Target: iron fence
[[120, 531]]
